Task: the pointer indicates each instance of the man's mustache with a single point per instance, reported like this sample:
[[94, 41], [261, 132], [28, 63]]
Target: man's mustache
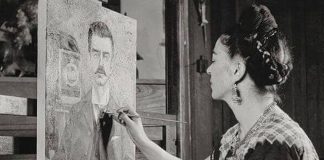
[[101, 70]]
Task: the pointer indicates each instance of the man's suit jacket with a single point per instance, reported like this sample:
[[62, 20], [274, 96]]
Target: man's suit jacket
[[77, 139]]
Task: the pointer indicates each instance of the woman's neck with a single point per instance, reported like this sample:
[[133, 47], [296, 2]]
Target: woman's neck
[[249, 111]]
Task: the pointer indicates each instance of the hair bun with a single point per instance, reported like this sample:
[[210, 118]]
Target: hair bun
[[270, 70], [257, 19], [283, 71], [258, 39]]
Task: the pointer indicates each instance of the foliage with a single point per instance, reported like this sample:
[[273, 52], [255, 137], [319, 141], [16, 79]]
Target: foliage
[[18, 40]]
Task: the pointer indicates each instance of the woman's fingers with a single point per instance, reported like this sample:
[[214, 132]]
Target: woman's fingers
[[131, 114], [127, 110], [115, 117], [125, 120], [129, 118]]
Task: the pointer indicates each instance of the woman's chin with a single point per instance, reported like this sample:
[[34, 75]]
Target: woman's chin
[[215, 97]]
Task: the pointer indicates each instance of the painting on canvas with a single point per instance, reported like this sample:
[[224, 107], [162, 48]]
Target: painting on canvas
[[90, 68]]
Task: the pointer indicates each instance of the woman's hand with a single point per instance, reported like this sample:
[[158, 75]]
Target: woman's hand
[[133, 123]]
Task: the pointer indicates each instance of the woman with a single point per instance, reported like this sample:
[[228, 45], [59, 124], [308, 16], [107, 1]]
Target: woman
[[249, 63]]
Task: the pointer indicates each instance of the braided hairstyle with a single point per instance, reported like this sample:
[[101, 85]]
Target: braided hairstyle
[[257, 39]]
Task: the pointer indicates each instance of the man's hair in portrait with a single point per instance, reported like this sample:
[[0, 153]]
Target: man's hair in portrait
[[99, 29]]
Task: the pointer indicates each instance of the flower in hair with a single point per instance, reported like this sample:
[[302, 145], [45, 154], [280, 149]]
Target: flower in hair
[[269, 34], [251, 37], [259, 45]]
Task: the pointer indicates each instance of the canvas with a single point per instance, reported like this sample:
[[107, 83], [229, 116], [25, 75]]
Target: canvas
[[90, 67]]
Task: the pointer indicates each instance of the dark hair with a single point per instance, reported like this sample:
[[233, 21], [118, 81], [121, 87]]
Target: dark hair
[[99, 29], [258, 40], [68, 42]]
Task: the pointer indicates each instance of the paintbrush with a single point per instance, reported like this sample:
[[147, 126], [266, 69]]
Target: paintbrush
[[145, 117]]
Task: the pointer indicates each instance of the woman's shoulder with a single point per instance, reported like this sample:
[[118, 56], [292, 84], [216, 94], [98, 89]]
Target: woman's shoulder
[[280, 127], [279, 130]]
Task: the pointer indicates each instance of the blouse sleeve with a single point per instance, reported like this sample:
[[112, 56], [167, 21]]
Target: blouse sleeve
[[275, 151]]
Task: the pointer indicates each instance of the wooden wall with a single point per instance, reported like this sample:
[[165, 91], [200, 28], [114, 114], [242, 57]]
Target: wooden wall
[[302, 95], [201, 102]]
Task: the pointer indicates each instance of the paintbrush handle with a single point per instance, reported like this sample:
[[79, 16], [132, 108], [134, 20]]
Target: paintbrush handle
[[160, 119], [138, 116]]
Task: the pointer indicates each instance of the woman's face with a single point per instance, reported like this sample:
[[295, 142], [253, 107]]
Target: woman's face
[[220, 71]]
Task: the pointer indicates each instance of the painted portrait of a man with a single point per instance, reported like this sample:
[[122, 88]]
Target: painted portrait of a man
[[91, 134], [90, 71]]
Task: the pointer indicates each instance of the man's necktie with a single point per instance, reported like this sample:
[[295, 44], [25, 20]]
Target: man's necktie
[[106, 123]]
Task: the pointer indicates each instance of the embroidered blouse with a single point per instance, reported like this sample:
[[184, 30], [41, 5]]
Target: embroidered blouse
[[275, 134]]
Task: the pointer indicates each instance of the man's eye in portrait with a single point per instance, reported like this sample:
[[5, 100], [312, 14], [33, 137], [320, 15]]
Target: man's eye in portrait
[[95, 53]]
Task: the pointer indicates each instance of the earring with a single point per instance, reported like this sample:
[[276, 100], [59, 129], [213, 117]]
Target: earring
[[236, 96]]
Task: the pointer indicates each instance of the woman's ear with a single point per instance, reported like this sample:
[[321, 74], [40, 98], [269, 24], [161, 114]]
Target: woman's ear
[[238, 70]]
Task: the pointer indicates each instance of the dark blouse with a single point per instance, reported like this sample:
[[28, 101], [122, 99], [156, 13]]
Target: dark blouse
[[268, 151], [275, 151]]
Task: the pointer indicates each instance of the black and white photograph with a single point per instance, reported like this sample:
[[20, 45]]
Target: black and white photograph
[[161, 80]]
